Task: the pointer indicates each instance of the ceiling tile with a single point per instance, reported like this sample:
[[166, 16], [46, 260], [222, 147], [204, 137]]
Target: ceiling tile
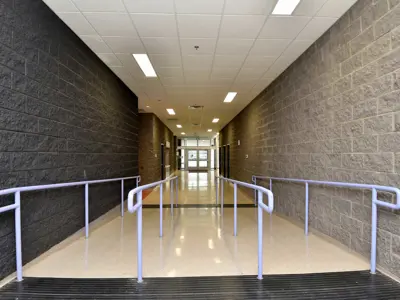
[[259, 61], [130, 64], [335, 8], [229, 61], [193, 74], [248, 7], [269, 47], [198, 26], [283, 27], [78, 23], [234, 46], [118, 24], [123, 44], [155, 25], [172, 81], [109, 59], [224, 72], [243, 85], [297, 47], [278, 67], [199, 7], [245, 27], [169, 72], [61, 5], [100, 5], [95, 43], [206, 46], [160, 60], [251, 72], [161, 45], [316, 28], [197, 61], [308, 7], [150, 6]]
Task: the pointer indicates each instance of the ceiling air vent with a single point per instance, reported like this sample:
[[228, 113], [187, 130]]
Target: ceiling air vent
[[172, 120], [195, 106]]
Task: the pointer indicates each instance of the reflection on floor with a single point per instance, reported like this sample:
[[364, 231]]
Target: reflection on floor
[[196, 242], [197, 188]]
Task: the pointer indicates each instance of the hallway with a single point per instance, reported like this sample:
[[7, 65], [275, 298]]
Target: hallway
[[196, 242]]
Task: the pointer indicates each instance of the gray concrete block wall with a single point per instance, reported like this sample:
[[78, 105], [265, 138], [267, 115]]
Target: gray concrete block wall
[[333, 115], [64, 116]]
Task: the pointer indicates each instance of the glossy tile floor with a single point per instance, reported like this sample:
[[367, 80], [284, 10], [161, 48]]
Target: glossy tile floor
[[196, 242], [197, 188]]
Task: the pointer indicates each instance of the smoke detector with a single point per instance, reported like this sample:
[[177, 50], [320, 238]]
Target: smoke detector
[[195, 106]]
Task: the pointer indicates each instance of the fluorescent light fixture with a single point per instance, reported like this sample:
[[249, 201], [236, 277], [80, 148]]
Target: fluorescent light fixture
[[171, 111], [183, 133], [285, 7], [209, 130], [230, 96], [179, 126], [145, 64], [215, 120], [147, 106]]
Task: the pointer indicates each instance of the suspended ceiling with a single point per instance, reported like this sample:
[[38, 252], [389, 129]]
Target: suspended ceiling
[[241, 48]]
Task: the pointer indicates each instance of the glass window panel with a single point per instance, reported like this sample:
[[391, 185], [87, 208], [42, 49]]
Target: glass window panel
[[205, 143], [183, 155], [191, 143], [192, 164], [212, 159], [203, 164], [192, 155], [203, 154]]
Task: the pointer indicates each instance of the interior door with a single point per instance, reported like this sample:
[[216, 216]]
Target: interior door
[[192, 160], [203, 160]]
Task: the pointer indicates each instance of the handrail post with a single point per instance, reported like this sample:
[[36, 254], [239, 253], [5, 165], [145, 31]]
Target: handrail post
[[122, 198], [18, 243], [235, 209], [139, 237], [171, 196], [137, 184], [222, 196], [306, 212], [374, 230], [216, 190], [161, 210], [176, 192], [87, 210], [260, 236], [255, 192]]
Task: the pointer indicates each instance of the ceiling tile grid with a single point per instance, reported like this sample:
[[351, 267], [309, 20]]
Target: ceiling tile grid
[[241, 48]]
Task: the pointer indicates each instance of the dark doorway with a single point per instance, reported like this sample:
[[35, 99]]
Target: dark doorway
[[223, 160], [162, 162], [220, 160]]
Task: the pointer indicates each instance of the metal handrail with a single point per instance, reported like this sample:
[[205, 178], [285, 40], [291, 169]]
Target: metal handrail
[[261, 206], [138, 191], [17, 207], [374, 208]]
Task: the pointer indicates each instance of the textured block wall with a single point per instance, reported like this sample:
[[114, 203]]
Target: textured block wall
[[64, 116], [334, 114], [152, 133]]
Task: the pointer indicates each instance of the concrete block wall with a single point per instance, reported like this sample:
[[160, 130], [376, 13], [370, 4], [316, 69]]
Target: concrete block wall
[[152, 133], [64, 116], [333, 115]]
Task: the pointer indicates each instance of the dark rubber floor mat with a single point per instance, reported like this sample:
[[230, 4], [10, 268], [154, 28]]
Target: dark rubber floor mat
[[345, 285]]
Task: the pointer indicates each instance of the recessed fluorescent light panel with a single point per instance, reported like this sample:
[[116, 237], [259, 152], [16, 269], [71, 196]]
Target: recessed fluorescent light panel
[[145, 64], [171, 111], [215, 120], [285, 7], [179, 126], [209, 130], [183, 133], [230, 96]]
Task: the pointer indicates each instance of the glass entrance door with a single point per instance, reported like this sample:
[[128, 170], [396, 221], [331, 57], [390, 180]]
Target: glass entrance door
[[198, 160]]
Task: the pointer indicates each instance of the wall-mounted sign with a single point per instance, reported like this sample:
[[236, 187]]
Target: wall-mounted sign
[[167, 145]]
